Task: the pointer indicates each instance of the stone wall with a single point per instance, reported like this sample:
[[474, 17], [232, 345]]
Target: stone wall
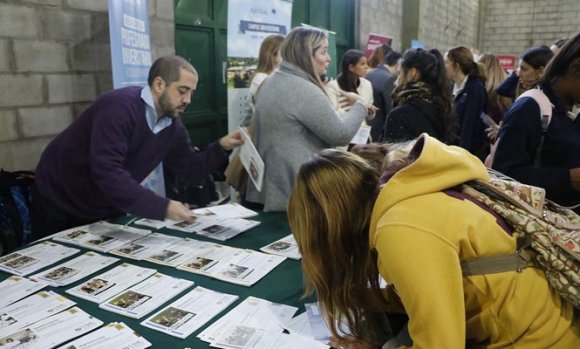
[[380, 17], [54, 61]]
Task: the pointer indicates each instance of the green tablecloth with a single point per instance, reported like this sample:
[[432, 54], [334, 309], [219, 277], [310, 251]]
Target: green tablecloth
[[282, 285]]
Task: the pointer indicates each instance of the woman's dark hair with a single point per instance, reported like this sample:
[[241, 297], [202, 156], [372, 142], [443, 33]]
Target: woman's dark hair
[[462, 56], [392, 58], [378, 55], [432, 70], [347, 80], [564, 61], [538, 56]]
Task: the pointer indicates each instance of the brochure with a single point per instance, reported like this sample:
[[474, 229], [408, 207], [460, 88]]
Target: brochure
[[227, 229], [146, 246], [146, 296], [111, 283], [78, 234], [35, 257], [30, 310], [286, 247], [75, 269], [15, 288], [112, 239], [179, 252], [225, 211], [114, 335], [187, 314], [251, 160], [52, 331]]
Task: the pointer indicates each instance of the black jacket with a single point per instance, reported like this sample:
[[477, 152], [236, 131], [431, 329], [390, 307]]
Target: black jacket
[[408, 121]]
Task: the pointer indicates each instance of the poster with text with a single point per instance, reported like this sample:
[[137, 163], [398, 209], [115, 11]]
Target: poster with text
[[376, 40]]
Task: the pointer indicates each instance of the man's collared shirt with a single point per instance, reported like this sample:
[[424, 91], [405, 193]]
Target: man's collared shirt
[[155, 125]]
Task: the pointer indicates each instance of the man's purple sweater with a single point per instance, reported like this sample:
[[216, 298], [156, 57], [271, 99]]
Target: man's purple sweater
[[92, 170]]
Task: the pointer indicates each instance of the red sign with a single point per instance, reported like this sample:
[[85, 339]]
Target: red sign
[[376, 40], [507, 62]]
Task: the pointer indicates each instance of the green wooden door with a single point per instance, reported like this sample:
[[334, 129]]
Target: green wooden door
[[201, 37]]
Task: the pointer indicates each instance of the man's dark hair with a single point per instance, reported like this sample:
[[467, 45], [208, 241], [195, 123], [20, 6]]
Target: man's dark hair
[[392, 58], [169, 69]]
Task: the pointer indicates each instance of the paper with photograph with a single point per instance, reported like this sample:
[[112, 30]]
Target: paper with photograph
[[187, 314], [114, 335], [146, 246], [75, 269], [30, 310], [286, 247], [109, 284], [247, 337], [35, 257], [179, 253], [112, 239], [52, 331], [251, 160], [15, 288], [227, 229], [206, 259], [146, 296], [78, 234], [225, 211], [252, 312]]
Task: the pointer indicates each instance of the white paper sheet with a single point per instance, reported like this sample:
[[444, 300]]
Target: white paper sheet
[[15, 288], [78, 234], [286, 247], [75, 269], [112, 239], [187, 314], [146, 296], [36, 257], [109, 284], [362, 135], [146, 246], [227, 229], [179, 253], [226, 211], [114, 335], [251, 160]]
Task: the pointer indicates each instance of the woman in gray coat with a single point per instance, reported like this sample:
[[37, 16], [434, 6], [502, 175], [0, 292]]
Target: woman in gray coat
[[294, 117]]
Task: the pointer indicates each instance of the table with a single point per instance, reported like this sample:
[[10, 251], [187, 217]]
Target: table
[[282, 285]]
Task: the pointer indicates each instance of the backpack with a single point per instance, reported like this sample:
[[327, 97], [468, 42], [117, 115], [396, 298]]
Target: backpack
[[548, 234], [15, 217], [545, 117]]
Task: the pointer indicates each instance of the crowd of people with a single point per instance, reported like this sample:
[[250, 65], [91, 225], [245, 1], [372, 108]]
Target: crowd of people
[[379, 210]]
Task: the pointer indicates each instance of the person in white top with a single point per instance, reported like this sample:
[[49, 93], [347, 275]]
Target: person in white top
[[268, 59]]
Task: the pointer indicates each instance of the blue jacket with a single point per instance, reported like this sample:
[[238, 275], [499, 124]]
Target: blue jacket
[[509, 86], [469, 104], [520, 137]]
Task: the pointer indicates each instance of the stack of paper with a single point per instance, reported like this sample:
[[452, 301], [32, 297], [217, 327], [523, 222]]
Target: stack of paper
[[114, 335], [30, 310], [15, 288], [251, 321], [286, 247], [101, 236], [52, 331], [238, 266], [146, 296], [75, 269], [111, 283], [187, 314], [31, 259], [179, 253], [147, 246]]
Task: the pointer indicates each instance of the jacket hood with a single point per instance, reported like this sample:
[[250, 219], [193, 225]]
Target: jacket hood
[[438, 167]]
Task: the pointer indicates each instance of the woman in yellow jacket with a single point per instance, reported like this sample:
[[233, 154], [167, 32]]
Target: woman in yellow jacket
[[414, 234]]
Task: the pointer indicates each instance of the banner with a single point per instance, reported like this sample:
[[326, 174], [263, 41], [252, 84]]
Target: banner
[[249, 22], [131, 58], [376, 40], [507, 62]]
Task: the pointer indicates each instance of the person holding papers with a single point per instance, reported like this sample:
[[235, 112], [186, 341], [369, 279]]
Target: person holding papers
[[294, 117], [410, 226], [92, 170]]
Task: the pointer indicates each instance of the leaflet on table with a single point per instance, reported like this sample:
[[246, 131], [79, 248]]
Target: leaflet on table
[[252, 312], [15, 288], [31, 309], [251, 160], [75, 269], [146, 246], [247, 337], [101, 236], [109, 284], [77, 234], [187, 314], [52, 331], [146, 296], [36, 257], [227, 229], [286, 247], [238, 266], [179, 253], [114, 335]]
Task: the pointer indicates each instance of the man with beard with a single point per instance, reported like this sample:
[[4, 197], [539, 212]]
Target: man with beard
[[93, 169]]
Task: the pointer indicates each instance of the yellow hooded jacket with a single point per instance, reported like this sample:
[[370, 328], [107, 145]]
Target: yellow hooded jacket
[[421, 234]]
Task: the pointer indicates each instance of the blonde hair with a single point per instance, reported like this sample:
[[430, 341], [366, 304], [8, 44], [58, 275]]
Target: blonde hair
[[494, 76], [268, 52], [299, 48], [329, 213]]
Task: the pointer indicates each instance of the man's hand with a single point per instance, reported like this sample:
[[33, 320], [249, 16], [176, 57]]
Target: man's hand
[[231, 140], [179, 212]]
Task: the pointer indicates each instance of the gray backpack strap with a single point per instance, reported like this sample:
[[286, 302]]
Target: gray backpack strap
[[498, 263]]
